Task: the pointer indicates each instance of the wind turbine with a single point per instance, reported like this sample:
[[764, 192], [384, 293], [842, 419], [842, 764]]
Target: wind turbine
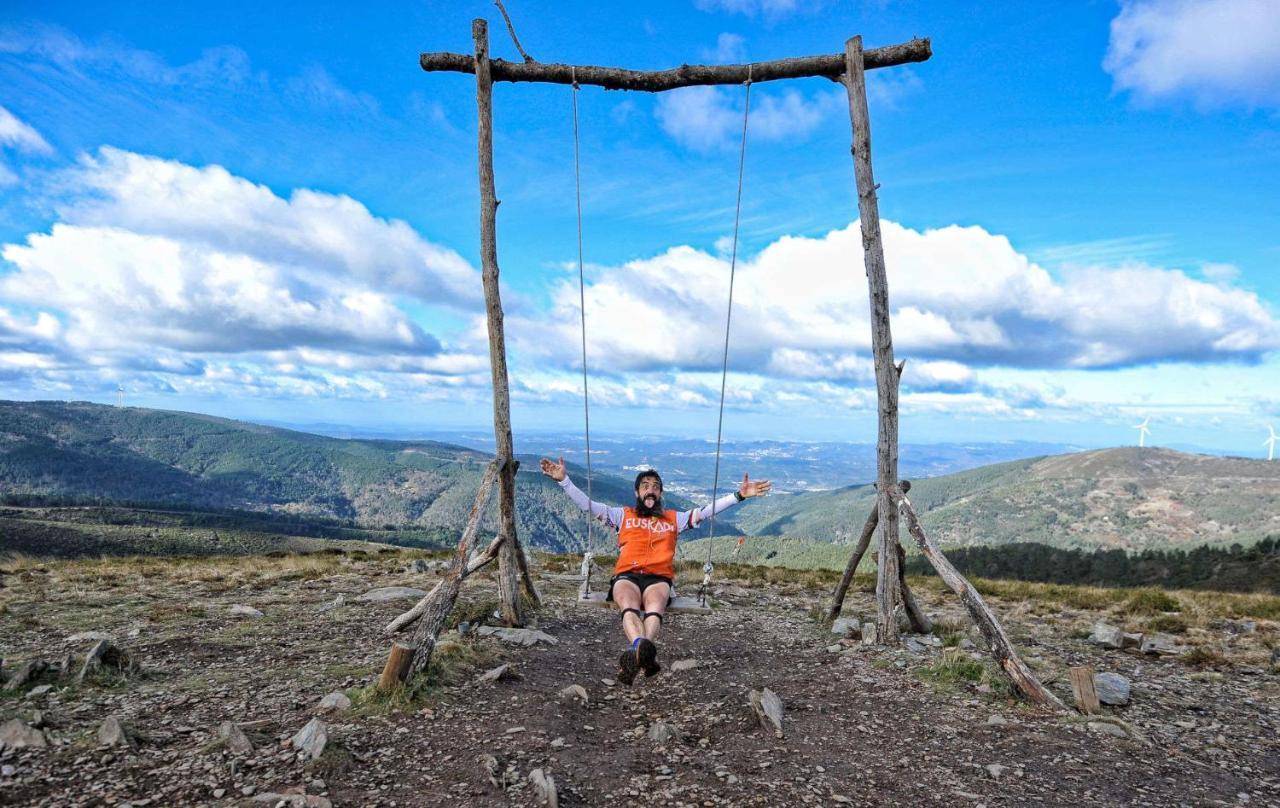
[[1270, 443], [1143, 431]]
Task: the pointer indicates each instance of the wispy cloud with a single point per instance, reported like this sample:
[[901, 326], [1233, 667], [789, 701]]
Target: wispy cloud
[[769, 9], [1214, 52], [710, 118], [19, 135], [1104, 252], [730, 48], [222, 65]]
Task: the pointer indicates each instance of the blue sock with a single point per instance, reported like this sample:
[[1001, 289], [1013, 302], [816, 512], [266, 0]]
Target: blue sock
[[636, 643]]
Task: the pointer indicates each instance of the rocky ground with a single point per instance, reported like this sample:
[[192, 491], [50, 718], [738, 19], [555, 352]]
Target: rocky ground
[[861, 725]]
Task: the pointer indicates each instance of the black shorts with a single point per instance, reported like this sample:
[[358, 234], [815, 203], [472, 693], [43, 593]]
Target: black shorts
[[641, 579]]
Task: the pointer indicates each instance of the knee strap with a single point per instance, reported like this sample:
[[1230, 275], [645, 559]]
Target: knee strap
[[658, 615], [638, 613]]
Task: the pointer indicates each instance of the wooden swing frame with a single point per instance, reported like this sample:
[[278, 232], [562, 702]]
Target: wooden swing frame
[[849, 69]]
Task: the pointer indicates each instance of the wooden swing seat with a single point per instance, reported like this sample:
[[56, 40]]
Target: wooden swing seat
[[586, 597], [678, 605]]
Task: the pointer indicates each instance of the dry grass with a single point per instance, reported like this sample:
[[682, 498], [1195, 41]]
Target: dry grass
[[452, 663], [1205, 657], [1150, 601]]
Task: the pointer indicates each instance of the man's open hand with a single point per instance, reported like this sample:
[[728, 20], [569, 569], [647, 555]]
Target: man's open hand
[[753, 488], [554, 470]]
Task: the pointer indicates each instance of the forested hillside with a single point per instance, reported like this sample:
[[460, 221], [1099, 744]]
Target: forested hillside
[[1128, 498], [74, 453]]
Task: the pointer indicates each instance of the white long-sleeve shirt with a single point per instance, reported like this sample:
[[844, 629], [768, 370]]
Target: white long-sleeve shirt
[[613, 516]]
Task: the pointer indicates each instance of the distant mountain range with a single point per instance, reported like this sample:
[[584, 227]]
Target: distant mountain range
[[61, 453], [688, 464], [1126, 498], [77, 453]]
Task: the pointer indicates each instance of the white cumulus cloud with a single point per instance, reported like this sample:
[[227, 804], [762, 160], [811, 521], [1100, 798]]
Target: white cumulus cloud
[[961, 298], [1214, 52], [156, 267]]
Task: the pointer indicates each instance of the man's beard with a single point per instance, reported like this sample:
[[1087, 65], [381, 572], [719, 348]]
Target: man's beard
[[644, 510]]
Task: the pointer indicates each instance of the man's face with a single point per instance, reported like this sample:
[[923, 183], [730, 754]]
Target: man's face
[[649, 492]]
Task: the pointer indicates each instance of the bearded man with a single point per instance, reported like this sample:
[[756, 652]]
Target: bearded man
[[642, 578]]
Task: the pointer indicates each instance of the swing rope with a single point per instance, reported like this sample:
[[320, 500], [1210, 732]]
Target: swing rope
[[582, 305], [708, 567]]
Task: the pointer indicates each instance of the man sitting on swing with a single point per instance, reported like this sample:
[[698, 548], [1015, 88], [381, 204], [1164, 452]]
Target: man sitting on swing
[[641, 585]]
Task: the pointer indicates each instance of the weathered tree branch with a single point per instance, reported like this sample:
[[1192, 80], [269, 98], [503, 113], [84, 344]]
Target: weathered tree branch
[[920, 622], [435, 607], [511, 559], [512, 30], [656, 81], [1001, 649], [864, 541], [478, 560], [887, 585]]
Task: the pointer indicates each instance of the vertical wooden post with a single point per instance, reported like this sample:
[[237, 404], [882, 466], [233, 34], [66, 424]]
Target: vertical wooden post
[[508, 556], [397, 668], [887, 585], [1083, 689]]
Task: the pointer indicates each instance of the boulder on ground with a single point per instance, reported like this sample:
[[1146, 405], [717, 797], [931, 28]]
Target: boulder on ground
[[1107, 728], [868, 633], [334, 702], [1112, 689], [28, 673], [517, 636], [1162, 644], [337, 602], [240, 610], [234, 738], [311, 739], [844, 626], [503, 671], [386, 593], [1107, 636], [660, 732], [544, 785], [293, 800], [105, 655], [768, 709], [88, 636], [573, 692], [113, 732], [15, 734]]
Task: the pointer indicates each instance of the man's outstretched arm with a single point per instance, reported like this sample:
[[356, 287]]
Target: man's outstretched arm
[[749, 488], [556, 471]]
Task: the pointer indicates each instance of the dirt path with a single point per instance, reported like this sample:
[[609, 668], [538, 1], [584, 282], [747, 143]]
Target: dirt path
[[860, 728]]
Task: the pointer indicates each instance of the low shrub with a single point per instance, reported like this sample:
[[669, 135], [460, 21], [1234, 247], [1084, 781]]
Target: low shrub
[[1151, 601]]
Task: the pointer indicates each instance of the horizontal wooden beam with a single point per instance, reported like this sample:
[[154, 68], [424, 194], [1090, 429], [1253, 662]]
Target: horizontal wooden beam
[[656, 81]]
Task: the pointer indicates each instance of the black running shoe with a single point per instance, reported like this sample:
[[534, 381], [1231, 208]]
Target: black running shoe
[[628, 667], [647, 657]]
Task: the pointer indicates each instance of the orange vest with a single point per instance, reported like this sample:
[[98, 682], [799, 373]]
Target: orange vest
[[647, 544]]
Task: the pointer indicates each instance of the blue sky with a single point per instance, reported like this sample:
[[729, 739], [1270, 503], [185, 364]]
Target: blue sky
[[267, 210]]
